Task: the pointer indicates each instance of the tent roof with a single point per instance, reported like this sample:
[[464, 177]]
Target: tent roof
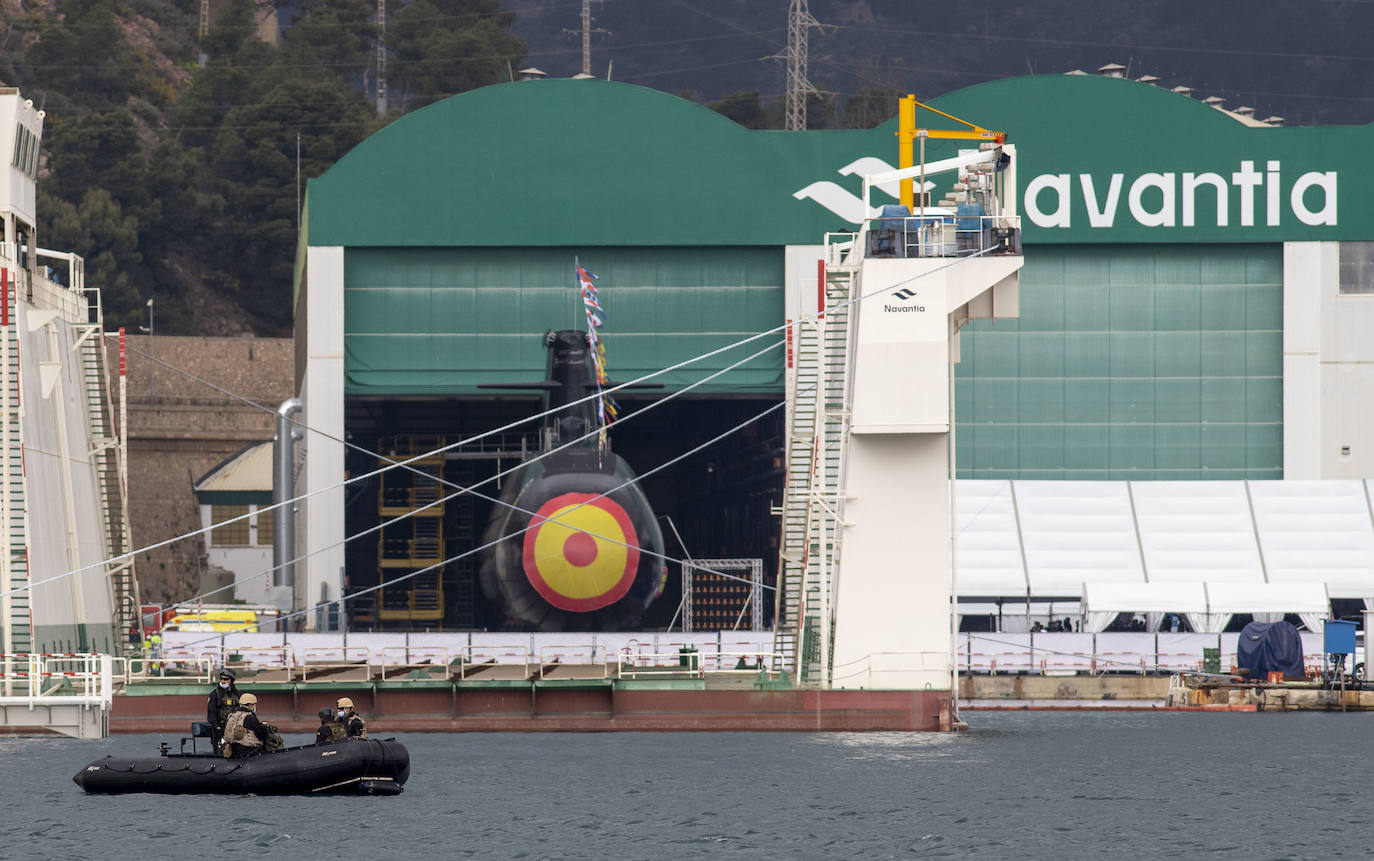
[[1267, 598], [1144, 598]]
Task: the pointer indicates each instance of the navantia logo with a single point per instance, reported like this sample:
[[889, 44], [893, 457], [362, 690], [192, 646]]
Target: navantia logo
[[844, 203], [1186, 199], [1171, 199], [905, 294]]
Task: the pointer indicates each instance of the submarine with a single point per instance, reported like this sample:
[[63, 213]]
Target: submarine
[[574, 543]]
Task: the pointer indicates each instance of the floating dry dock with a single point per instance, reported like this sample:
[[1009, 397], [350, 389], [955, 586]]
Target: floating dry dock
[[548, 698]]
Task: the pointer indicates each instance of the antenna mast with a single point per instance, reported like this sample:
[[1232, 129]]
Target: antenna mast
[[201, 57], [799, 24], [586, 32], [381, 57]]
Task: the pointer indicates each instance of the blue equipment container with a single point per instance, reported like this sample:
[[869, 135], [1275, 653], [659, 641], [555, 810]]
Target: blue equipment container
[[1338, 638]]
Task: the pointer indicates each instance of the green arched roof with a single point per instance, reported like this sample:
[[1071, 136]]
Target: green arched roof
[[573, 162], [593, 163]]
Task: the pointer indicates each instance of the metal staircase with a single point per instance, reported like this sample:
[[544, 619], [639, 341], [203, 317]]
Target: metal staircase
[[812, 510], [111, 474], [462, 572], [15, 616], [412, 539]]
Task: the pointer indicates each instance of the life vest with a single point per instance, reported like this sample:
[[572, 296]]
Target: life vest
[[227, 705], [235, 733]]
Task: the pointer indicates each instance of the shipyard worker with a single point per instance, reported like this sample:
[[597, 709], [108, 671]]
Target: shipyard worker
[[331, 728], [245, 735], [353, 723], [223, 700]]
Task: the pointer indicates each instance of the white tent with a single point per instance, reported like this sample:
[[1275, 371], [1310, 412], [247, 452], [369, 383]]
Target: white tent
[[1267, 602], [1262, 547], [1017, 616], [1103, 601]]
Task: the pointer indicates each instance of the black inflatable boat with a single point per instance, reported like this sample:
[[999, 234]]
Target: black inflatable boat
[[357, 765]]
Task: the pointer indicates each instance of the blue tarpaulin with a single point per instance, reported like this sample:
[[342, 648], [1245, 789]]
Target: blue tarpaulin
[[1269, 647]]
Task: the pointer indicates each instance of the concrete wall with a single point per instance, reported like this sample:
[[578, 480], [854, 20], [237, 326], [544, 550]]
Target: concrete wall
[[1022, 687], [180, 428], [1328, 368]]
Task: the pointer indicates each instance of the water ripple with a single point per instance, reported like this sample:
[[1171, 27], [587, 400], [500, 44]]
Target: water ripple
[[1017, 785]]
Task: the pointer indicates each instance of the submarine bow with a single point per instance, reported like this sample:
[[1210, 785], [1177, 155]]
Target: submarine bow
[[575, 543]]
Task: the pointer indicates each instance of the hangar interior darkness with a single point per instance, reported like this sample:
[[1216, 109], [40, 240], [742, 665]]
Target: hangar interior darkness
[[719, 499]]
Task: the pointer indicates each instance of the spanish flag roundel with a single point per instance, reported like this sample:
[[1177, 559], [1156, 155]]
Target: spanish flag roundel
[[568, 557]]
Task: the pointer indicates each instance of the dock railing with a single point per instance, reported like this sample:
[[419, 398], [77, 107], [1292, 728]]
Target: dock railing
[[1134, 653], [64, 678]]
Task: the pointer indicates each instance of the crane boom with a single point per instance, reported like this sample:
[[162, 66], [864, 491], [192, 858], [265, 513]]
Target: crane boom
[[907, 133]]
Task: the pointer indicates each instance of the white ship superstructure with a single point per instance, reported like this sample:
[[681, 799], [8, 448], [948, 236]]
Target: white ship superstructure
[[62, 489]]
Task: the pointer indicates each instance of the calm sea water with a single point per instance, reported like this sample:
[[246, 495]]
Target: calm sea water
[[1018, 785]]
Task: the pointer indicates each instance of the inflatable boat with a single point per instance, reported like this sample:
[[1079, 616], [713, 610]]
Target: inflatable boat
[[354, 766]]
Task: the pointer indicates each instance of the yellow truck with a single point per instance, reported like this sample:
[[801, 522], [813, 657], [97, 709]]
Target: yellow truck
[[221, 620]]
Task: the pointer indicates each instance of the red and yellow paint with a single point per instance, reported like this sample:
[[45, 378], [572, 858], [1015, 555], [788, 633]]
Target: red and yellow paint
[[568, 557]]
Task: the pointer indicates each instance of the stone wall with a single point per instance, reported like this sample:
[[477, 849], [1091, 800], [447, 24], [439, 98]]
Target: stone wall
[[180, 427]]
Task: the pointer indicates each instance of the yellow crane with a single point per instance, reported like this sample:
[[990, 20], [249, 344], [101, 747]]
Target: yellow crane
[[907, 133]]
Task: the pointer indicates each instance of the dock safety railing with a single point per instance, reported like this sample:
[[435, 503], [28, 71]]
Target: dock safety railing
[[687, 663], [943, 235], [873, 669], [185, 669], [42, 679], [1075, 653]]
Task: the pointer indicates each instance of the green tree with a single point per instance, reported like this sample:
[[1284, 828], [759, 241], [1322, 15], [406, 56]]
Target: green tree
[[100, 232], [94, 150], [240, 68], [82, 58], [254, 162], [745, 108], [332, 38], [444, 47], [870, 107]]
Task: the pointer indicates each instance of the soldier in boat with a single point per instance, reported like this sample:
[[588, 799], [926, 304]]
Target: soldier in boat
[[245, 735], [352, 721], [331, 728], [223, 700]]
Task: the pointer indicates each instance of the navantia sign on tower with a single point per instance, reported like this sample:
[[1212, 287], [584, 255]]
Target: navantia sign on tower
[[1245, 197], [1112, 160]]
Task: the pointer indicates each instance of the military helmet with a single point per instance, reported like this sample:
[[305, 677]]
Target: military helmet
[[225, 671], [248, 700], [326, 712], [345, 703]]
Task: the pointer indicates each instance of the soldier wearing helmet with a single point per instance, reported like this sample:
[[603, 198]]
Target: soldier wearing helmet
[[331, 729], [223, 700], [245, 735], [353, 723]]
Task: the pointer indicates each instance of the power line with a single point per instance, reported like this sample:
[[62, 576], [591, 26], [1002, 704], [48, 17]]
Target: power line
[[370, 589], [799, 25], [803, 318], [536, 417], [470, 489], [1207, 49]]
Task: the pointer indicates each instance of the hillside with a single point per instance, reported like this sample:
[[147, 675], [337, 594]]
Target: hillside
[[1306, 60]]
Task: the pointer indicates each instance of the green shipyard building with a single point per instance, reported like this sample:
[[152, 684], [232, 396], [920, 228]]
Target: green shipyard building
[[1194, 305]]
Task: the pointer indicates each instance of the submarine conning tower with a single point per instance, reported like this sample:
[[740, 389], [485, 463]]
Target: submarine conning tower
[[570, 377]]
